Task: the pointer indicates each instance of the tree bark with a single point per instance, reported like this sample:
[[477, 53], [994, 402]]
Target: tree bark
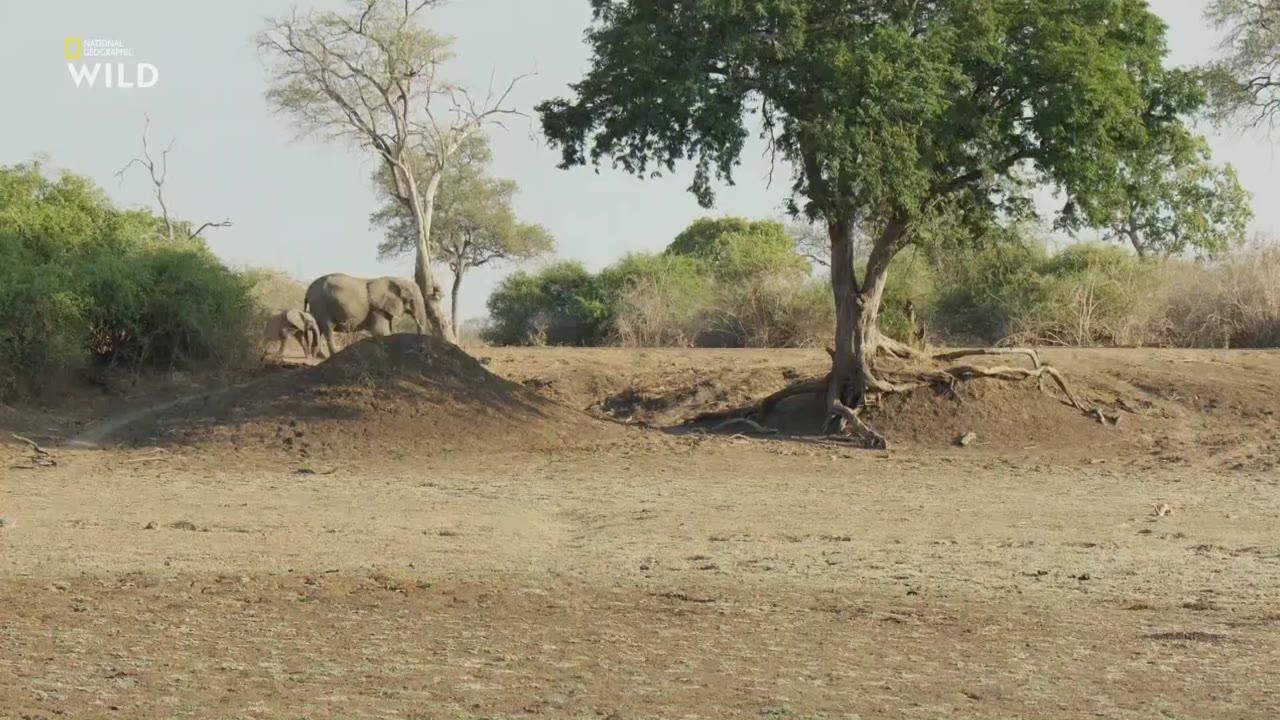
[[857, 315], [424, 275], [1136, 238], [453, 296]]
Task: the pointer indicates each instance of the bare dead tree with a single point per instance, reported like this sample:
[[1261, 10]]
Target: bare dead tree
[[158, 171], [373, 76]]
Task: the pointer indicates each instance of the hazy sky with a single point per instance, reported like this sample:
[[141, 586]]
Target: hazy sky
[[302, 205]]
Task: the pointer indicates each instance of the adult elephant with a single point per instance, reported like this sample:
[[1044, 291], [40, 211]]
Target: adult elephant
[[343, 302]]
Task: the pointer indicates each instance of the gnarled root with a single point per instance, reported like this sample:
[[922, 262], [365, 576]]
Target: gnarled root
[[1038, 370], [847, 420], [851, 418]]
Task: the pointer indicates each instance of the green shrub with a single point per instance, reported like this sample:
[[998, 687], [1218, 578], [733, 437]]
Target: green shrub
[[656, 300], [980, 290], [83, 283], [909, 296], [560, 304], [726, 282], [735, 249]]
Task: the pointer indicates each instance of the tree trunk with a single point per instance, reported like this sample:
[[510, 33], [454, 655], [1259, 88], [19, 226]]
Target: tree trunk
[[453, 297], [424, 274], [857, 315], [1136, 238]]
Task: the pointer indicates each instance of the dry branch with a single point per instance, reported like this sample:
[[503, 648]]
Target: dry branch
[[39, 456], [39, 450]]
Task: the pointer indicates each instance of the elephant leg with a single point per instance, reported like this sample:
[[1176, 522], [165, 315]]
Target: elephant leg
[[280, 352], [327, 331], [380, 327]]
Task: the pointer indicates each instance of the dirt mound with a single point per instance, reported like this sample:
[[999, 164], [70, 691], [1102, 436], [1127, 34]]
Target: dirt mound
[[393, 397], [1005, 416], [1176, 407]]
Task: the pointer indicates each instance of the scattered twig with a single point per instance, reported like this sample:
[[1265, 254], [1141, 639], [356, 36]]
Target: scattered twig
[[149, 458], [310, 471]]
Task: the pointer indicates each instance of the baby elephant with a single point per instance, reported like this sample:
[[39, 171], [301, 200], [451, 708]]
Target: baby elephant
[[296, 324]]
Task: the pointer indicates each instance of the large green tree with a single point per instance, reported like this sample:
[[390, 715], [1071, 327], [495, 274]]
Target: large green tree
[[885, 109], [1171, 200], [475, 222]]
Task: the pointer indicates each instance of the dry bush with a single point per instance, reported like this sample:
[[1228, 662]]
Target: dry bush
[[653, 313], [777, 310], [274, 290], [1234, 302], [1090, 310]]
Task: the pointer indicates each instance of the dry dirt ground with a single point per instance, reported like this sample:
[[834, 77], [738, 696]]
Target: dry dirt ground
[[376, 538]]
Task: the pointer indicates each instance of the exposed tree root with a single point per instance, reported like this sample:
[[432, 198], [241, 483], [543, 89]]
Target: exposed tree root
[[848, 419], [851, 417], [752, 424]]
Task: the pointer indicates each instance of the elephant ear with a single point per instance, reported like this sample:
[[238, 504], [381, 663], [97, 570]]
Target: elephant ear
[[384, 296], [296, 319]]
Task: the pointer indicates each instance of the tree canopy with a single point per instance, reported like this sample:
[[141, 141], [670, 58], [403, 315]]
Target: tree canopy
[[475, 223], [1171, 199], [879, 106], [1245, 81]]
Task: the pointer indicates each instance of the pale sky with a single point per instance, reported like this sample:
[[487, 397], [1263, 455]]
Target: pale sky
[[302, 205]]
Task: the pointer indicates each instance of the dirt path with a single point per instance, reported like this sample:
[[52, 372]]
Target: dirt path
[[98, 433]]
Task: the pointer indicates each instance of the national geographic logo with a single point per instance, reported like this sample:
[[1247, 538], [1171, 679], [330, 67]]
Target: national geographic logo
[[120, 75]]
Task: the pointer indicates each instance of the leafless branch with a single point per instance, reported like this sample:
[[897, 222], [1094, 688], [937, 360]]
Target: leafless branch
[[158, 171], [202, 228]]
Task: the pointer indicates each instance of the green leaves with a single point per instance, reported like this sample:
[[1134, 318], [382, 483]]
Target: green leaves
[[83, 281], [474, 224], [736, 250], [880, 106]]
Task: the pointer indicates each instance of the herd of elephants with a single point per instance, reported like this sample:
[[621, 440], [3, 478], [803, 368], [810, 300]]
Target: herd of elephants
[[348, 304]]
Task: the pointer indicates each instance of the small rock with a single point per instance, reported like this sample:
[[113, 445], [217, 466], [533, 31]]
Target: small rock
[[1161, 510], [150, 526], [967, 439]]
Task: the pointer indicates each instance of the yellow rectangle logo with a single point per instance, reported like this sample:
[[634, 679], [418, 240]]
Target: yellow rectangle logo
[[74, 47]]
